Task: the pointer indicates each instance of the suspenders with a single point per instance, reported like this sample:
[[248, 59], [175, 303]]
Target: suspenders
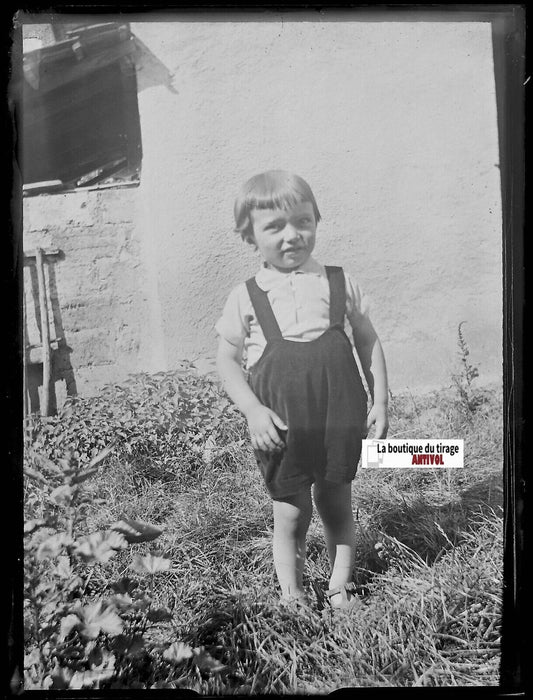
[[265, 315]]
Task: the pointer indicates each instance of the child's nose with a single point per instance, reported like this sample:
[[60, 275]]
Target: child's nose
[[291, 233]]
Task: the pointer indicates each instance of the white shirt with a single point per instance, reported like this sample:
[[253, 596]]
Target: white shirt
[[299, 300]]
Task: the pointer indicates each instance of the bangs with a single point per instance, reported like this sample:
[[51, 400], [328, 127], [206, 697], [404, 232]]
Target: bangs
[[283, 199], [275, 189]]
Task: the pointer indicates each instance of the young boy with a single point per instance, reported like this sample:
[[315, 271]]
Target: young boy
[[304, 400]]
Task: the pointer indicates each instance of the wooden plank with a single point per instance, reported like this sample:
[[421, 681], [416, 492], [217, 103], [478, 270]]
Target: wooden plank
[[40, 187], [45, 331], [31, 255], [25, 364]]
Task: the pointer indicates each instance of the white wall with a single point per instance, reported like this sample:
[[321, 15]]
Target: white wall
[[393, 124]]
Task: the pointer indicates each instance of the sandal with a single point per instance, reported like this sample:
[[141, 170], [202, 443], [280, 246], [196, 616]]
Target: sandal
[[347, 603]]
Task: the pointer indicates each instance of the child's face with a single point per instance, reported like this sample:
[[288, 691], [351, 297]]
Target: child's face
[[285, 237]]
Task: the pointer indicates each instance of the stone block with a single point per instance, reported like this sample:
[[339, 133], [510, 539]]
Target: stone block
[[99, 314], [127, 339], [50, 211], [37, 239], [116, 205], [91, 346]]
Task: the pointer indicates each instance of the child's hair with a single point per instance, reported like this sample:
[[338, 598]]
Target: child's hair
[[274, 189]]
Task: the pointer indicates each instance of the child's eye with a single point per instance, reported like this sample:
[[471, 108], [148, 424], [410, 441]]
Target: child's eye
[[305, 221]]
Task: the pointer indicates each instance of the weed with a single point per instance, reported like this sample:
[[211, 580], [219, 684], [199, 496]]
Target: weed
[[463, 380]]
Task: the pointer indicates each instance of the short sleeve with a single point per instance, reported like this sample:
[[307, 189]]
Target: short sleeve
[[357, 303], [234, 323]]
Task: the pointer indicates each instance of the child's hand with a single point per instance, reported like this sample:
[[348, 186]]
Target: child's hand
[[378, 417], [264, 425]]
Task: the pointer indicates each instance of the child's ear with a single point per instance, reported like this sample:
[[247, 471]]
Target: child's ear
[[250, 239]]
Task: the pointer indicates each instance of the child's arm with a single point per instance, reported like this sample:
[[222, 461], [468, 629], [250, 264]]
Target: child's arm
[[262, 422], [373, 363]]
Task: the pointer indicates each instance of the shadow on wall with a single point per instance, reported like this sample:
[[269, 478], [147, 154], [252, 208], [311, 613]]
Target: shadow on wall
[[150, 70], [37, 305]]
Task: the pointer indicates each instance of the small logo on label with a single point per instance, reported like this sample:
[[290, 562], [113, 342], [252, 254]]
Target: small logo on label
[[402, 454]]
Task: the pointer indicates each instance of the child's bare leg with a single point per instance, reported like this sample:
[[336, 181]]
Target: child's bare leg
[[292, 516], [334, 505]]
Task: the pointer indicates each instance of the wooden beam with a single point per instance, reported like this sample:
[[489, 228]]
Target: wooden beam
[[25, 364], [31, 255], [45, 331]]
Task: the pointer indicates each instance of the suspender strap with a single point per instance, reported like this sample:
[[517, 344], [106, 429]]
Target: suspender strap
[[337, 295], [265, 315], [263, 311]]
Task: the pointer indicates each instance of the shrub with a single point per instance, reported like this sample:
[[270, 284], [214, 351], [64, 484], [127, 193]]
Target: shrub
[[77, 636], [165, 425]]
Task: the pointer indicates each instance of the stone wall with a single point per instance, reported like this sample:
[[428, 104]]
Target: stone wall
[[96, 286]]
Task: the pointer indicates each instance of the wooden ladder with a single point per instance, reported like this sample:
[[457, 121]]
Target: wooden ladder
[[38, 257]]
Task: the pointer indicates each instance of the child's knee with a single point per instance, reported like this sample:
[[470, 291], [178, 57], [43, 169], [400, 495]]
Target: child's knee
[[333, 491], [293, 513], [333, 500]]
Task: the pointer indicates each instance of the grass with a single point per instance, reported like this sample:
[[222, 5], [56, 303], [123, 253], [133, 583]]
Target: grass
[[429, 546]]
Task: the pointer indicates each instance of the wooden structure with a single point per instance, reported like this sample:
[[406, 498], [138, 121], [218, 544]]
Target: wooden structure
[[40, 353], [79, 118]]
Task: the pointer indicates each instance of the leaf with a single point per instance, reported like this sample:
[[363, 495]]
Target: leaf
[[83, 475], [32, 659], [178, 652], [206, 663], [95, 619], [53, 546], [124, 585], [122, 600], [68, 623], [150, 564], [136, 530], [95, 657], [74, 583], [62, 495], [66, 464], [45, 463], [34, 475], [100, 546], [63, 568], [33, 525], [101, 456], [86, 679], [142, 604]]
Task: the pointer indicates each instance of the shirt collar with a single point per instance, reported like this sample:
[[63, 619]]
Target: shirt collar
[[268, 277]]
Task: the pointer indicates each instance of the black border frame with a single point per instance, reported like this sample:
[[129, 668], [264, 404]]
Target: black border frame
[[509, 22]]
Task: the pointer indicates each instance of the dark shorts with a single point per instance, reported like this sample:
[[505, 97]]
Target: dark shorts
[[316, 389]]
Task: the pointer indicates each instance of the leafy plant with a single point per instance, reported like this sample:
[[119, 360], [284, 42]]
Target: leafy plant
[[77, 637], [167, 425], [464, 380]]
